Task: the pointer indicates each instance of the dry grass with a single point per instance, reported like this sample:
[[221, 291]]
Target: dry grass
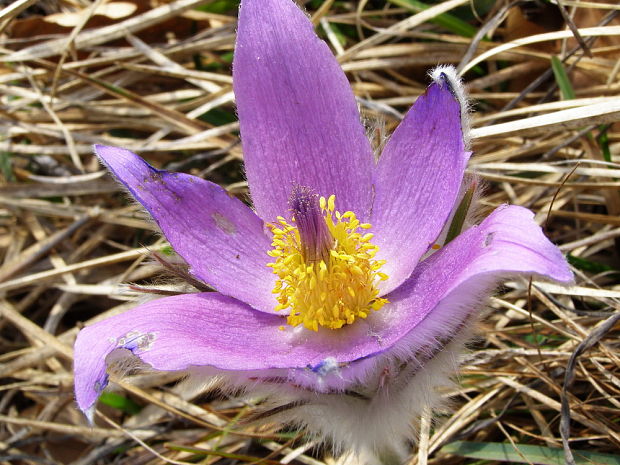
[[546, 370]]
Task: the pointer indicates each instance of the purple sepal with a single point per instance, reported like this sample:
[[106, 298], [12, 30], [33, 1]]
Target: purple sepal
[[298, 116], [417, 182], [221, 239]]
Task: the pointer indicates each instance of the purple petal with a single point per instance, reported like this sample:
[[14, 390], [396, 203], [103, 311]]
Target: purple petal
[[298, 116], [507, 243], [206, 329], [217, 235], [417, 182]]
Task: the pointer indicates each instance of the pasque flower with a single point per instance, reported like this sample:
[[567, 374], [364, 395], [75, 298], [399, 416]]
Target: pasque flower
[[332, 300]]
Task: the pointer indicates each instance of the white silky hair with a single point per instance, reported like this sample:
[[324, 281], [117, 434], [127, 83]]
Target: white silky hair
[[442, 74], [385, 422], [449, 74], [383, 417], [363, 427]]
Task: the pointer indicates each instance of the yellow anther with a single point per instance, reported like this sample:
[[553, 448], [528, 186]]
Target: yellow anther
[[376, 305], [335, 311], [367, 237], [357, 270], [333, 291], [331, 203]]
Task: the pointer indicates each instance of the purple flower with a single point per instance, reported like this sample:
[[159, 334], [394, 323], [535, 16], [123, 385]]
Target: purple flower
[[328, 299]]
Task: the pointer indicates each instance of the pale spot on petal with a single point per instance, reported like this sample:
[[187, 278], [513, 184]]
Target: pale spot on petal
[[224, 224], [136, 341]]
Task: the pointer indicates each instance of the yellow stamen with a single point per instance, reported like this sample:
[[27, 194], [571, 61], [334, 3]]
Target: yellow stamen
[[336, 289]]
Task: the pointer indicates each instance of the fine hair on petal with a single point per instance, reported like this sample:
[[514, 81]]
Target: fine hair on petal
[[375, 411], [449, 75]]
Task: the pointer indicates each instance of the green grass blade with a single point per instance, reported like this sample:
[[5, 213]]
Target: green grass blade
[[201, 452], [119, 402], [566, 87], [6, 167], [588, 265], [456, 226], [603, 141], [219, 6], [526, 453], [445, 20], [568, 93]]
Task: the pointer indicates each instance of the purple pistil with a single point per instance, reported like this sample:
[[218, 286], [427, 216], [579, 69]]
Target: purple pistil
[[316, 240]]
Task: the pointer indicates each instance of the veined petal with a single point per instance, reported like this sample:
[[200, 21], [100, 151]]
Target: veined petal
[[194, 330], [298, 116], [217, 235], [507, 243], [417, 181]]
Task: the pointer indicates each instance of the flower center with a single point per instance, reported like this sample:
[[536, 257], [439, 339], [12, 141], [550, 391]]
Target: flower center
[[325, 264]]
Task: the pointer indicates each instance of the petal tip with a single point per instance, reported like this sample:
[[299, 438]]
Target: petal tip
[[123, 163], [517, 226], [104, 154], [101, 151], [89, 369], [107, 152], [89, 413], [563, 274], [447, 75]]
